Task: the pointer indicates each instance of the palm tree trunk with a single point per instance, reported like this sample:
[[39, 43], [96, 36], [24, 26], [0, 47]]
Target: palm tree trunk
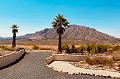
[[14, 40], [59, 45]]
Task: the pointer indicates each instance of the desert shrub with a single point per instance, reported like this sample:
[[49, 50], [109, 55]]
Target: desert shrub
[[82, 48], [28, 44], [10, 49], [89, 49], [46, 48], [7, 48], [116, 56], [118, 65], [100, 61], [18, 49], [0, 54], [101, 48], [73, 48], [91, 61], [64, 46], [116, 48], [3, 47], [67, 50], [35, 47]]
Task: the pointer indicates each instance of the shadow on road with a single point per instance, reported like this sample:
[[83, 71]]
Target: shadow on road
[[14, 62]]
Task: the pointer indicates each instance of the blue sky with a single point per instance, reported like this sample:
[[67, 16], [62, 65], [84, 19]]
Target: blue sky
[[35, 15]]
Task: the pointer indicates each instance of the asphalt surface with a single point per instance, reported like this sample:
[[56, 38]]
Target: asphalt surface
[[32, 66]]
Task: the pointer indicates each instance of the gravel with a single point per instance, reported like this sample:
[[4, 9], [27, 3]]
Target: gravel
[[63, 66], [32, 66]]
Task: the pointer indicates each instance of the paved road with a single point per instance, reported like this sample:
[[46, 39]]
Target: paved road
[[32, 66]]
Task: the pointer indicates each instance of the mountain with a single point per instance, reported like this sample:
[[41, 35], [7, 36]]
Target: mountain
[[3, 38], [74, 32]]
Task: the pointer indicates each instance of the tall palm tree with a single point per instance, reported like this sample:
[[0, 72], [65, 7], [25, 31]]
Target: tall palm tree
[[14, 31], [60, 24]]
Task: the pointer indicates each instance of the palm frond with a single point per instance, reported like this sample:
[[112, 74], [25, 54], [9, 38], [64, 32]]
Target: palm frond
[[60, 24]]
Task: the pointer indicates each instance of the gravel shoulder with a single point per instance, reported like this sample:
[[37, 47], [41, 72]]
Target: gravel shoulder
[[32, 66]]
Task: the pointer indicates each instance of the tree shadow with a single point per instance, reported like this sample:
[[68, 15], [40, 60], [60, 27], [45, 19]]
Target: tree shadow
[[11, 64]]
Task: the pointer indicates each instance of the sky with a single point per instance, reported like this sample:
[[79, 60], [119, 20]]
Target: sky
[[35, 15]]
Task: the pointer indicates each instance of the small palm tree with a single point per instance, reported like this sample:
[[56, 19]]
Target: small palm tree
[[60, 24], [14, 31]]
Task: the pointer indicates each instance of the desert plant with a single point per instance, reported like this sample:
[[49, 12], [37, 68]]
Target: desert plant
[[100, 61], [14, 31], [100, 48], [64, 46], [116, 56], [116, 48], [18, 48], [67, 50], [82, 49], [73, 48], [35, 47], [41, 48], [89, 48], [60, 23]]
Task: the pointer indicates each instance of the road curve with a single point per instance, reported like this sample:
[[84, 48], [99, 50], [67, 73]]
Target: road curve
[[32, 66]]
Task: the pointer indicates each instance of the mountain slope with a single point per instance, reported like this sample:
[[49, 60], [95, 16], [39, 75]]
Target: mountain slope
[[74, 32]]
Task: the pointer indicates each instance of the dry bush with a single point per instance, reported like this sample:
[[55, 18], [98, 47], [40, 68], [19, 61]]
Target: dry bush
[[45, 48], [3, 47], [116, 56], [118, 65], [100, 61], [8, 48], [35, 47], [18, 48], [28, 44], [64, 46]]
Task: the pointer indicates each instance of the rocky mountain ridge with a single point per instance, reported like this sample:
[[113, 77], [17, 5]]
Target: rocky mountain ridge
[[73, 32]]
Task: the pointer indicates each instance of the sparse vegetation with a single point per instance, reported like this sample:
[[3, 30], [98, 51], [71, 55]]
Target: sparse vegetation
[[10, 48], [100, 61], [35, 47], [90, 48], [116, 56]]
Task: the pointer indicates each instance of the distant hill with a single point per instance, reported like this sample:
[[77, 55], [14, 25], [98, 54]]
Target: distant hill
[[3, 38], [74, 32]]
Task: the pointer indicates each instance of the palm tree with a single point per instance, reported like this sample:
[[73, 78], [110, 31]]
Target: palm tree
[[60, 24], [14, 31]]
